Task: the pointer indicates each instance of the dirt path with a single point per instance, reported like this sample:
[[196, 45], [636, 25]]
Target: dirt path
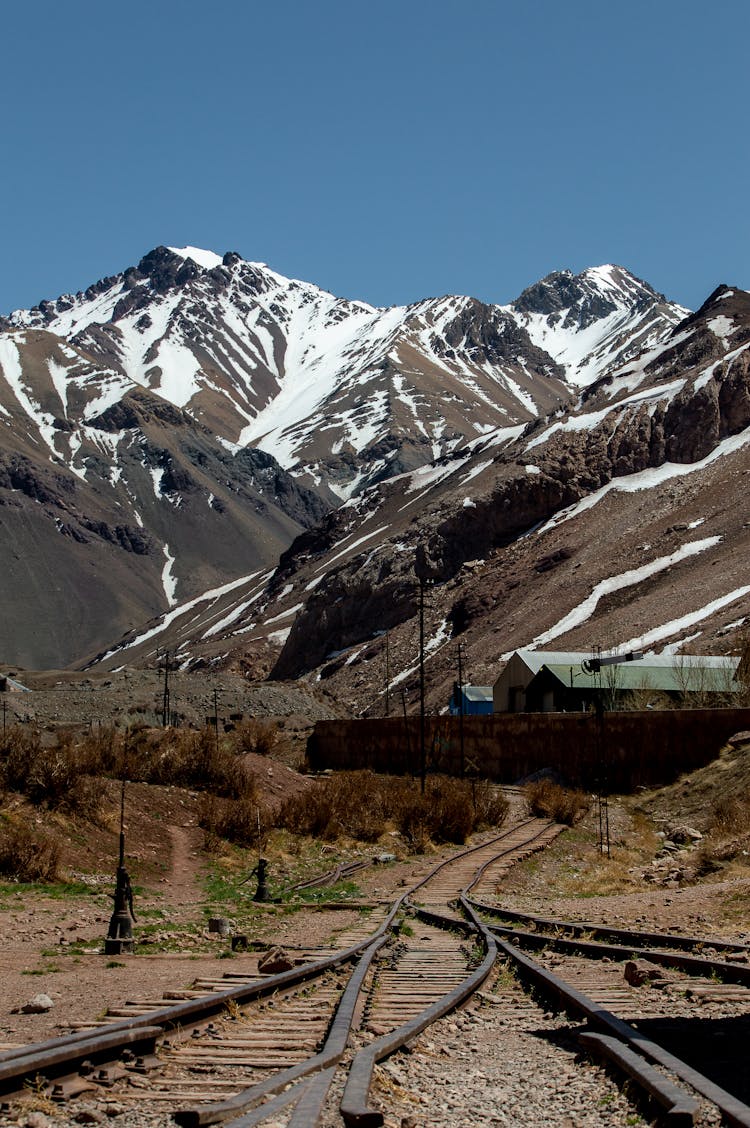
[[182, 890]]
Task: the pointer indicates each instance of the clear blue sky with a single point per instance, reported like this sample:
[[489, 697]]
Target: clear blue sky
[[386, 151]]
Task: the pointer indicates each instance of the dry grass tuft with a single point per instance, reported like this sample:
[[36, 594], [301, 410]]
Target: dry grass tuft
[[364, 806], [549, 800], [56, 778], [25, 856]]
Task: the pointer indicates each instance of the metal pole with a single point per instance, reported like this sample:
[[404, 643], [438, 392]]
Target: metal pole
[[461, 709], [408, 738], [216, 718], [422, 749], [165, 702], [120, 935], [121, 862]]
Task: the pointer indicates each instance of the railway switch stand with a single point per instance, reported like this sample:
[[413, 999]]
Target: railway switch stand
[[260, 871], [120, 935]]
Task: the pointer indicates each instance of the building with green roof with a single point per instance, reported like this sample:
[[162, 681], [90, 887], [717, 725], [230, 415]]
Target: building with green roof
[[535, 681]]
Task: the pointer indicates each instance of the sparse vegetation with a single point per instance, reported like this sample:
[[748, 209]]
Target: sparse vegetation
[[176, 757], [240, 821], [363, 806], [550, 800], [25, 856], [54, 777], [727, 835]]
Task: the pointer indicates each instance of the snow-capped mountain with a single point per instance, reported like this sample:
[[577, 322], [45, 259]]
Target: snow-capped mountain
[[339, 392], [169, 432], [621, 521]]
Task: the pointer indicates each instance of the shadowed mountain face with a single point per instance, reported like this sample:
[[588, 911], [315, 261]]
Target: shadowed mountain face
[[177, 431]]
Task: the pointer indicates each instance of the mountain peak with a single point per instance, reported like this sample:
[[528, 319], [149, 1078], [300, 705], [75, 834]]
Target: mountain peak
[[207, 259], [594, 293]]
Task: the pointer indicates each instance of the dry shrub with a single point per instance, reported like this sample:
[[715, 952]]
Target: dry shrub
[[196, 760], [349, 803], [241, 821], [27, 857], [68, 776], [363, 805], [100, 750], [490, 805], [56, 777], [413, 820], [172, 757], [727, 834], [18, 749], [549, 800], [255, 736], [730, 814]]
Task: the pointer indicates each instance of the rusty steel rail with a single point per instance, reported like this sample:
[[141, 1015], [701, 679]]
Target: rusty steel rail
[[354, 1106], [625, 936], [735, 1112], [330, 877], [24, 1062], [328, 1057], [304, 1084], [692, 965]]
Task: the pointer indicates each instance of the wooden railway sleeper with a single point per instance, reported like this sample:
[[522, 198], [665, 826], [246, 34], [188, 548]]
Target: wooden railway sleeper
[[734, 1111], [21, 1062], [692, 965], [625, 936], [354, 1106], [330, 1055]]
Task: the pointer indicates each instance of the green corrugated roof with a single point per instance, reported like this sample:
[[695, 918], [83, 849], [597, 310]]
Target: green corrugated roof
[[668, 676]]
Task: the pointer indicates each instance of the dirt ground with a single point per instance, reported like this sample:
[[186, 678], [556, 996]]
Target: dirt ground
[[51, 941]]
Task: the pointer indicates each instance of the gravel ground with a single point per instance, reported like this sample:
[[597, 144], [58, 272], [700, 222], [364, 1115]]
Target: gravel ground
[[500, 1061]]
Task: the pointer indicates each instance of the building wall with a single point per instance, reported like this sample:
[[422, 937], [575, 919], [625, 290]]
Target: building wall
[[636, 748], [515, 674]]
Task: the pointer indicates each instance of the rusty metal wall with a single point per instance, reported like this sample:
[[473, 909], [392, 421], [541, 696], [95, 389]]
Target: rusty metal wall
[[637, 748]]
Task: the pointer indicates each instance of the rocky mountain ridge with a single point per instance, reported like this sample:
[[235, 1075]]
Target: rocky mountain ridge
[[621, 520], [158, 402]]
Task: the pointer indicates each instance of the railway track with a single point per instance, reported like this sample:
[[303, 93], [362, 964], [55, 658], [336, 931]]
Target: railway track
[[218, 1050], [303, 1046], [678, 1003]]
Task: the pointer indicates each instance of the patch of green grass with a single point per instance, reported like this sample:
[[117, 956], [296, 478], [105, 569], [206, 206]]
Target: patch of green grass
[[114, 963], [48, 969], [343, 891], [78, 949], [58, 891]]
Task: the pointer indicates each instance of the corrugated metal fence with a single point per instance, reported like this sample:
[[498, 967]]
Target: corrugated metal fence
[[634, 748]]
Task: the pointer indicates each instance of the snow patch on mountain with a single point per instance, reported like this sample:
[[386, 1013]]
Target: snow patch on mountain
[[649, 479], [207, 259], [169, 581], [684, 622], [632, 576]]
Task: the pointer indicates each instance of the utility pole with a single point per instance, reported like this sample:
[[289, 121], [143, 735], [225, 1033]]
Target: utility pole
[[409, 761], [216, 717], [593, 666], [422, 748], [461, 708], [165, 710]]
